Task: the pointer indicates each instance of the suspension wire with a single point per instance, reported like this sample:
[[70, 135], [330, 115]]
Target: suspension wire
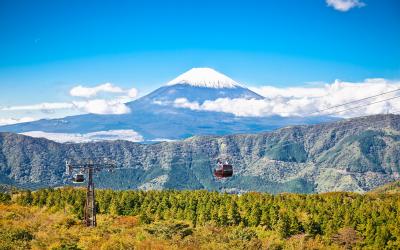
[[365, 105], [355, 101]]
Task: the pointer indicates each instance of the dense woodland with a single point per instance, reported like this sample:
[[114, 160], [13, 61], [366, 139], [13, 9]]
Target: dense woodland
[[345, 220]]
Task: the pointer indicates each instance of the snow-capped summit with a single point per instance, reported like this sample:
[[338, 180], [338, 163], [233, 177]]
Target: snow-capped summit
[[199, 85], [205, 77]]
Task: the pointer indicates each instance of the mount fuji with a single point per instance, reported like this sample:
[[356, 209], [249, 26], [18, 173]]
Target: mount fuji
[[199, 85], [161, 115]]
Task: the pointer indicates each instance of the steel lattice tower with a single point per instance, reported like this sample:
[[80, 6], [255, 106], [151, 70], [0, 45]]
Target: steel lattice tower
[[89, 167]]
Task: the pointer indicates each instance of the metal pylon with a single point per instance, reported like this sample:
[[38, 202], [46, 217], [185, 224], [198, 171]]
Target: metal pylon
[[89, 167], [90, 207]]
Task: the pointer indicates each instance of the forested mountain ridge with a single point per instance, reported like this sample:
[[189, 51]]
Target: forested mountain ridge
[[349, 155]]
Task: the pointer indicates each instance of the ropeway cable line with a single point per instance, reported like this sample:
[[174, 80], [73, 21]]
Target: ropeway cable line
[[355, 101], [365, 105]]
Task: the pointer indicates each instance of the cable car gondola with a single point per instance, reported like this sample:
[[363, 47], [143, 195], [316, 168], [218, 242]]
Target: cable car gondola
[[223, 170], [78, 178]]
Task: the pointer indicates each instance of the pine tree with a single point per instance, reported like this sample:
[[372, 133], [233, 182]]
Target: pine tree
[[144, 218], [329, 229], [115, 207], [265, 220], [255, 215], [214, 214], [274, 217], [233, 214], [313, 227], [369, 232], [295, 225], [222, 216], [283, 226]]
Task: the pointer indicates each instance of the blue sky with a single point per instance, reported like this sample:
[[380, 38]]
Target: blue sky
[[48, 47]]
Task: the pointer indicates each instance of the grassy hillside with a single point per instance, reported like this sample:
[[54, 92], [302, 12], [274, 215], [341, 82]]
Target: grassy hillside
[[51, 219]]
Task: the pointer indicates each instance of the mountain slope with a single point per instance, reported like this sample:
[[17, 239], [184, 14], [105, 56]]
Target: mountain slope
[[350, 155], [196, 94]]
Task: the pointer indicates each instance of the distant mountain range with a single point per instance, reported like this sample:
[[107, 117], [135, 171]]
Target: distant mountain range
[[165, 114], [357, 154]]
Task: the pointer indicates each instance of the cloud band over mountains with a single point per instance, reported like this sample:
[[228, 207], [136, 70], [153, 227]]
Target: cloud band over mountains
[[286, 101], [122, 134], [305, 101]]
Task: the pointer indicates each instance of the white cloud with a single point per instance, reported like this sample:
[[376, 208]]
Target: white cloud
[[95, 106], [8, 121], [271, 92], [132, 93], [111, 105], [344, 5], [81, 91], [103, 107], [110, 135], [184, 103], [303, 101], [41, 106]]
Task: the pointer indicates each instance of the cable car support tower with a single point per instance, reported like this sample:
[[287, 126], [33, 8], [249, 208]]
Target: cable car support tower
[[88, 168]]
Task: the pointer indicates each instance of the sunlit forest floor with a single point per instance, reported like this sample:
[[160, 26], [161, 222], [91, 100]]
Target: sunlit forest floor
[[52, 219]]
